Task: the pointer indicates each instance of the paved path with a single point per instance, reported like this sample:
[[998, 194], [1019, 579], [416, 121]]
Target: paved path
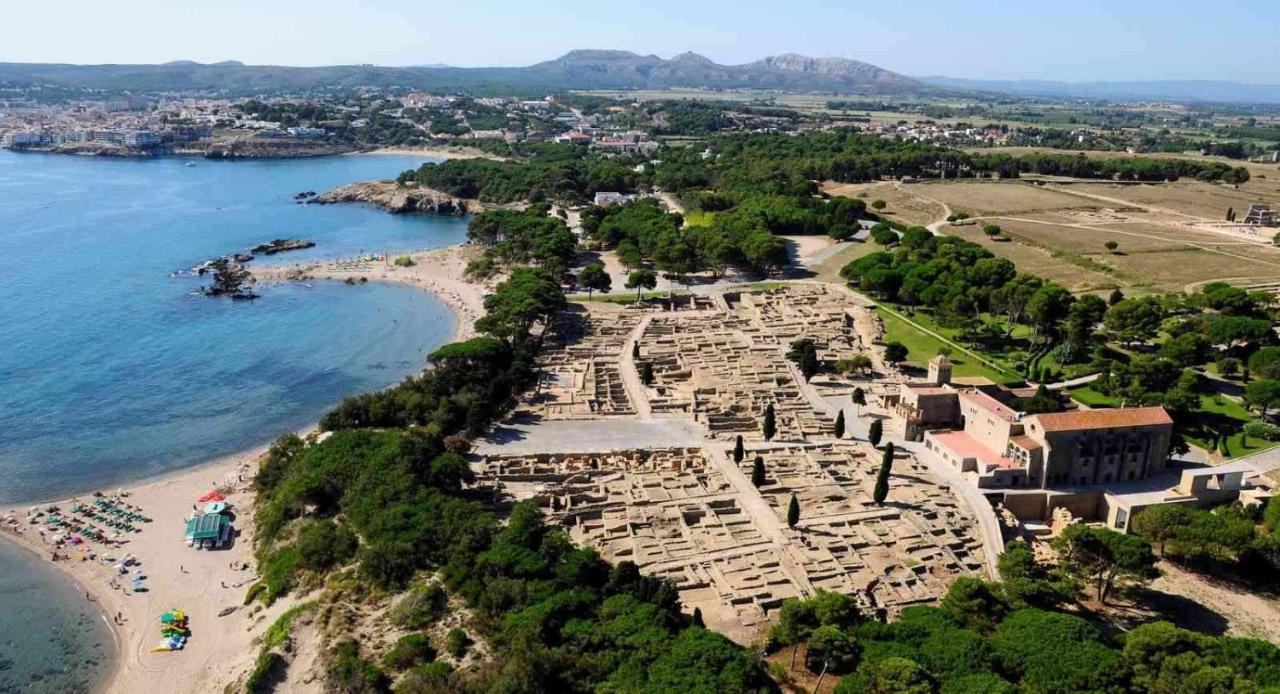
[[589, 436]]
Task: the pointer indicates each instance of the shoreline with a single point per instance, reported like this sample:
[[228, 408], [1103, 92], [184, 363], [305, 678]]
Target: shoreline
[[439, 152], [204, 582], [438, 271], [201, 590]]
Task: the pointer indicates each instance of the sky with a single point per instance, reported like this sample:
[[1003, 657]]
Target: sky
[[1082, 40]]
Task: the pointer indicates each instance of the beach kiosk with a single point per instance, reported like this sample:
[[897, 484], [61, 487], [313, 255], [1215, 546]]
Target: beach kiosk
[[210, 531]]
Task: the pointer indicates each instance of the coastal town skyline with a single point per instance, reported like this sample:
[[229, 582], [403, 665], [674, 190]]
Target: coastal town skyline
[[1127, 42]]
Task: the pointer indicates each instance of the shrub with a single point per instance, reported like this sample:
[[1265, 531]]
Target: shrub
[[409, 651], [405, 261], [279, 573], [1262, 430], [388, 564], [456, 642], [421, 607], [325, 544], [267, 671], [348, 672], [428, 677]]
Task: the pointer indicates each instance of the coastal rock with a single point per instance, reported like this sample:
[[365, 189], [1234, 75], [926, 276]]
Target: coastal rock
[[273, 148], [398, 199], [281, 245]]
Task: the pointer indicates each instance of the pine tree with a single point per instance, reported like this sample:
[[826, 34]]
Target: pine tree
[[793, 512], [839, 430], [876, 432], [738, 451], [859, 398], [770, 426], [882, 478], [757, 472]]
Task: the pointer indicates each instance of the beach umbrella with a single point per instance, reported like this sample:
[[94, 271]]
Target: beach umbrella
[[212, 496], [215, 507]]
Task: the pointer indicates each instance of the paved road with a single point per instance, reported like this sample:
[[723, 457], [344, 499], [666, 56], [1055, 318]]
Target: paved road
[[589, 436]]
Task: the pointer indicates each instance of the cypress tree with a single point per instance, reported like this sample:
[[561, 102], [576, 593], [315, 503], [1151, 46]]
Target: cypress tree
[[738, 451], [876, 433], [770, 426], [697, 618], [839, 430], [646, 373], [757, 472], [635, 350], [882, 478], [793, 512]]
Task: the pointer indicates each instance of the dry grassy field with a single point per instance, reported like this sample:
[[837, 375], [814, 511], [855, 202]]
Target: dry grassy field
[[1039, 260], [903, 206], [997, 197], [1207, 200], [1167, 233]]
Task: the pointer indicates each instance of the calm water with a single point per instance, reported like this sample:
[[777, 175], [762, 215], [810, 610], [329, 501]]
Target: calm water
[[51, 639], [111, 369]]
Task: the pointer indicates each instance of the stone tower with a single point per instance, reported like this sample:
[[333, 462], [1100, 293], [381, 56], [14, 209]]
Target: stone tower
[[940, 370]]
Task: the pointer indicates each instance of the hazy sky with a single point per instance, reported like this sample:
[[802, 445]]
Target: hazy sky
[[1079, 40]]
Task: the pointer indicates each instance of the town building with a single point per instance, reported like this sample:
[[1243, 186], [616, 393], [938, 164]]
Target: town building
[[998, 447]]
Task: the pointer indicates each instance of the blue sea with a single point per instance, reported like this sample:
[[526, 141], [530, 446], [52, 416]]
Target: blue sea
[[113, 368]]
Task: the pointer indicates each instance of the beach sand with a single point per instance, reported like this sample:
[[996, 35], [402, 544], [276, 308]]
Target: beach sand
[[439, 271], [200, 582], [437, 152]]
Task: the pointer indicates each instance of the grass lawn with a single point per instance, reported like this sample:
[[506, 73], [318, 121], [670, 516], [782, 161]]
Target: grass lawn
[[921, 347], [1222, 414], [1086, 395], [623, 298], [698, 218]]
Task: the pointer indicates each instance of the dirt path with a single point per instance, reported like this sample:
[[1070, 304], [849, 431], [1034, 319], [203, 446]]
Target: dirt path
[[1246, 613]]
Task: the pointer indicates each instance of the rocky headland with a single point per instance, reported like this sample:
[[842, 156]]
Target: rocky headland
[[398, 199]]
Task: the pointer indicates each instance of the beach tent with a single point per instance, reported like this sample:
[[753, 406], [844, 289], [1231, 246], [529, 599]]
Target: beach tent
[[212, 527]]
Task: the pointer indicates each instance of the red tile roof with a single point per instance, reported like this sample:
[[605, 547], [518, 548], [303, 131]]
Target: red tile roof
[[963, 445], [1103, 419], [991, 405]]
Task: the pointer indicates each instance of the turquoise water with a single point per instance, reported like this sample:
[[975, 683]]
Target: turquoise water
[[51, 638], [111, 369]]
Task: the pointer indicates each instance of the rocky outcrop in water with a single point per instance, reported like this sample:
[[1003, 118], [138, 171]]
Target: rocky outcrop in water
[[229, 279], [281, 245], [398, 199]]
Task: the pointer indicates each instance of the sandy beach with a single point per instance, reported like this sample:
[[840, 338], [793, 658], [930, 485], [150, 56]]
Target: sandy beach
[[439, 271], [204, 583], [201, 582], [438, 152]]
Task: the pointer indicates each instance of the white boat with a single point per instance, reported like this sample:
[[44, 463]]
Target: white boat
[[190, 163]]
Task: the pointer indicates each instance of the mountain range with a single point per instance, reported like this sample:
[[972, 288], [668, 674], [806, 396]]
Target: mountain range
[[601, 69], [581, 69]]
